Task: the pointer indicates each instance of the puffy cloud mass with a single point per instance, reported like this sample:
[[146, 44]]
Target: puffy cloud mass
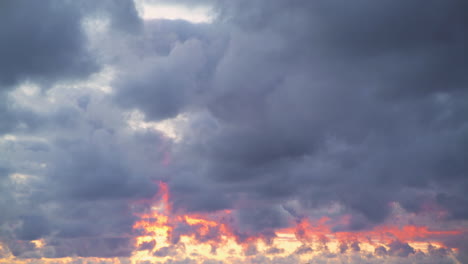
[[341, 122]]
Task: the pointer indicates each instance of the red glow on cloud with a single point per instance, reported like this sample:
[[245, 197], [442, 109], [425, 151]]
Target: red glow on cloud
[[217, 230]]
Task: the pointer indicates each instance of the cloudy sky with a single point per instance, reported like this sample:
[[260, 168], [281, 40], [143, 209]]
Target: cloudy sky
[[233, 131]]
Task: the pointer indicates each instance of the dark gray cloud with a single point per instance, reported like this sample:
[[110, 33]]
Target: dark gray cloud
[[169, 251], [357, 103], [303, 249], [400, 249], [260, 220], [324, 101], [43, 41], [93, 247], [73, 181], [46, 41], [166, 48], [274, 250], [72, 166], [380, 251], [147, 245], [33, 227]]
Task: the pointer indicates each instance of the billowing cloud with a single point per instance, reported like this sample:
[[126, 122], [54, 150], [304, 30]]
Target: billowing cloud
[[325, 107], [337, 129], [42, 41]]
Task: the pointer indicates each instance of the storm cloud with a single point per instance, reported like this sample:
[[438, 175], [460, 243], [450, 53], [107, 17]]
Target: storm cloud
[[360, 103], [278, 111]]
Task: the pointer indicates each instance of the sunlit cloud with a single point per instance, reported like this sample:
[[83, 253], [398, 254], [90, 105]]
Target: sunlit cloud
[[233, 131], [154, 10]]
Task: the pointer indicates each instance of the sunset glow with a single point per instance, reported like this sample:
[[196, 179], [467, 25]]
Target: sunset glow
[[168, 236], [233, 132], [211, 236]]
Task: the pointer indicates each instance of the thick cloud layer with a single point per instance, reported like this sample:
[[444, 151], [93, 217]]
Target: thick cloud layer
[[42, 41], [283, 110], [70, 165], [358, 103]]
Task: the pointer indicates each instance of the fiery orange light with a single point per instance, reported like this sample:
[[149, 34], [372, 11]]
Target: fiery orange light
[[165, 234], [216, 232]]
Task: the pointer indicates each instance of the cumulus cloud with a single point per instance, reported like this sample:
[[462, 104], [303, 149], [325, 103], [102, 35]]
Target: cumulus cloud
[[58, 182], [327, 107], [49, 45], [291, 110]]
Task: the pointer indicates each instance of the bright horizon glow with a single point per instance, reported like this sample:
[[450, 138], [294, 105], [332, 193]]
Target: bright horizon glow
[[200, 14], [159, 224]]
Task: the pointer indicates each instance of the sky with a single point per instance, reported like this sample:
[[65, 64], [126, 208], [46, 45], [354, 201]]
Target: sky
[[233, 131]]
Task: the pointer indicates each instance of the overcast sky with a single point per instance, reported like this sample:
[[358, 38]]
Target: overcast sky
[[344, 122]]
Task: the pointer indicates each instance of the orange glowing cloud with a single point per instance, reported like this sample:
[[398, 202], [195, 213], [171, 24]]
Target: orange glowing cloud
[[214, 234], [165, 235]]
